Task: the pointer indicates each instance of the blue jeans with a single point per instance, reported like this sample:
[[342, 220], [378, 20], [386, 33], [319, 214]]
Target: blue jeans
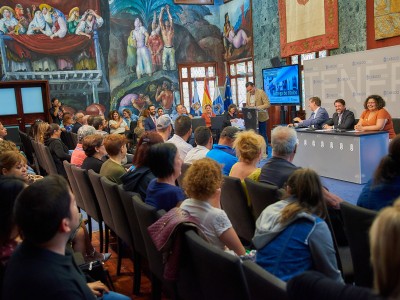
[[262, 129], [113, 296]]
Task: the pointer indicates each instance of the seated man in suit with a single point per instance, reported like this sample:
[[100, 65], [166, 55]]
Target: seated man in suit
[[150, 122], [318, 116], [342, 118]]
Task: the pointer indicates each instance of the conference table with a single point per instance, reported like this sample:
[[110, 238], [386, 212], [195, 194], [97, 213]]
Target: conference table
[[350, 156]]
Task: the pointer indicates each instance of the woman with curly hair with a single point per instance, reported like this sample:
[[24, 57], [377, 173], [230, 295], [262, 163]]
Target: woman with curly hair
[[202, 183], [375, 117]]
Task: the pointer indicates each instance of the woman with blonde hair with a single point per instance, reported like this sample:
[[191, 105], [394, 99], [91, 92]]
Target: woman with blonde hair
[[291, 236], [202, 183]]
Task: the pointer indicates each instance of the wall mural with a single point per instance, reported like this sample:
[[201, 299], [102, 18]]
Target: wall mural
[[100, 54]]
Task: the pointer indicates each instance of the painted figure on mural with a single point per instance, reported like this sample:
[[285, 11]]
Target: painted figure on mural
[[59, 28], [176, 95], [23, 22], [167, 32], [140, 103], [155, 44], [89, 23], [131, 53], [165, 96], [38, 25], [232, 40], [143, 57], [47, 11], [8, 22], [73, 20]]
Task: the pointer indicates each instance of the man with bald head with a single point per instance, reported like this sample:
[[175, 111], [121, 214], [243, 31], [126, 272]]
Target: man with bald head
[[78, 122]]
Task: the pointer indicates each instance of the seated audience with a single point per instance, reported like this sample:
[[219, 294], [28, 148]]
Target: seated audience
[[183, 131], [223, 153], [59, 151], [250, 147], [291, 237], [150, 122], [202, 184], [68, 122], [160, 112], [165, 163], [13, 163], [42, 268], [78, 122], [375, 117], [137, 179], [384, 188], [342, 118], [38, 130], [78, 155], [3, 132], [185, 112], [115, 145], [164, 127], [385, 261], [117, 123], [318, 116], [100, 124], [207, 115], [230, 115], [94, 148], [128, 116], [204, 142]]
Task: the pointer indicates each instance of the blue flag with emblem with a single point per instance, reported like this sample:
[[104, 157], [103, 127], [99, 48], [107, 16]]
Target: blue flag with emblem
[[228, 94], [218, 104], [195, 106]]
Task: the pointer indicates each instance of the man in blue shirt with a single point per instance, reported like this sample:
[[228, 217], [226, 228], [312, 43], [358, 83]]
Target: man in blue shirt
[[223, 152]]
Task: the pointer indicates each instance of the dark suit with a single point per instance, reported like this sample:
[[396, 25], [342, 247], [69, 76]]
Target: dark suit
[[320, 118], [76, 126], [149, 125], [347, 121]]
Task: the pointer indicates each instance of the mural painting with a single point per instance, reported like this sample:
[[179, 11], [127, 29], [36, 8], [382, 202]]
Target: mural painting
[[101, 55]]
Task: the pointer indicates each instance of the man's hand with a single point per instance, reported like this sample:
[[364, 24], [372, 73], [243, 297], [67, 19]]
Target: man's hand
[[98, 288], [297, 119], [326, 126]]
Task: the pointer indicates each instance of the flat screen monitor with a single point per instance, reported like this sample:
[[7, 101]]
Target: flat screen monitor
[[281, 84]]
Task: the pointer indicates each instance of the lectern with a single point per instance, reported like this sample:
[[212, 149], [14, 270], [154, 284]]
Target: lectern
[[250, 118]]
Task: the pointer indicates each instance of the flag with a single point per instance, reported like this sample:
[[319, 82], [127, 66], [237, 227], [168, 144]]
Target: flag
[[195, 107], [206, 95], [228, 94], [218, 104]]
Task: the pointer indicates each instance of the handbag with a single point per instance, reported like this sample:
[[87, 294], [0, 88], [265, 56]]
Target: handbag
[[94, 270]]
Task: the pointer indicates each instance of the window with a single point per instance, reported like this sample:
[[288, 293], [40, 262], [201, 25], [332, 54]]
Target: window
[[303, 57], [189, 73], [240, 72]]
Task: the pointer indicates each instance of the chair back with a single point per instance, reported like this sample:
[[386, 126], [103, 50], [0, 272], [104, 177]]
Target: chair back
[[39, 155], [49, 161], [357, 222], [198, 121], [27, 145], [74, 185], [95, 179], [220, 274], [234, 203], [262, 283], [119, 218], [261, 195], [184, 168]]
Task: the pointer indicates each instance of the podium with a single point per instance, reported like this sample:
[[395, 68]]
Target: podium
[[250, 117]]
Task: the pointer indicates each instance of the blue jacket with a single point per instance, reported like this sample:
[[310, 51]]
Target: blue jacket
[[149, 125], [224, 155], [320, 118]]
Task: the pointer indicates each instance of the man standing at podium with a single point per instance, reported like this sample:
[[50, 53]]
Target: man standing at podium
[[259, 99]]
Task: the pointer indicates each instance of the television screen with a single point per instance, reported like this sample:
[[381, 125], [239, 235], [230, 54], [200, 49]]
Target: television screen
[[281, 84]]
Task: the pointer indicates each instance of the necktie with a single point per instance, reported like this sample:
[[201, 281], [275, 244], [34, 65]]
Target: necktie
[[340, 119], [312, 115]]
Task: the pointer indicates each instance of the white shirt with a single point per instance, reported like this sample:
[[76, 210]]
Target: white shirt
[[182, 146], [196, 153]]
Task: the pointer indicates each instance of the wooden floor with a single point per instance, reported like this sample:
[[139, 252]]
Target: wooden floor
[[124, 283]]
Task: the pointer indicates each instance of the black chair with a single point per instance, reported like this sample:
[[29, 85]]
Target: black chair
[[105, 210], [234, 203], [396, 125], [357, 222], [217, 124], [220, 274], [27, 146], [49, 161], [262, 284], [139, 250], [88, 195], [261, 195], [41, 160], [73, 185], [198, 121]]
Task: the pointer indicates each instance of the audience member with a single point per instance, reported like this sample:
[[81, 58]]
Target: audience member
[[116, 123], [160, 112], [342, 118], [250, 147], [139, 130], [223, 152], [138, 179], [165, 163], [384, 188], [93, 145], [375, 117], [90, 120], [185, 112], [13, 163], [202, 184], [150, 122], [230, 115], [68, 122], [183, 131], [42, 268], [204, 142], [78, 122], [208, 114], [78, 155], [56, 111], [164, 127], [318, 116], [38, 130], [128, 116], [59, 151], [291, 237], [115, 145], [100, 124], [385, 261], [3, 132]]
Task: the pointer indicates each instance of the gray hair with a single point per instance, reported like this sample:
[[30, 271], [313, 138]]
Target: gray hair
[[283, 140], [84, 131]]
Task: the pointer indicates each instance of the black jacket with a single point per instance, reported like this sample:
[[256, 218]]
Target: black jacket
[[137, 181]]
